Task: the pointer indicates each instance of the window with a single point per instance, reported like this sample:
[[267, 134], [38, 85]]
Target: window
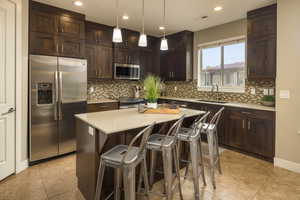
[[223, 65]]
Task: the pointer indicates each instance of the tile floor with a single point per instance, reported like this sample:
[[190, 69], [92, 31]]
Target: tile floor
[[244, 178]]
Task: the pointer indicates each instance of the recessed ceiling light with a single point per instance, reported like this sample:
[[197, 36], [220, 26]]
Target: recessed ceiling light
[[204, 17], [161, 28], [77, 3], [125, 17], [218, 8]]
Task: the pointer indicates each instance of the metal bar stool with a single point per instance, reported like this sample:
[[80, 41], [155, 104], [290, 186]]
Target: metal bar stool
[[125, 158], [167, 144], [193, 138], [211, 130]]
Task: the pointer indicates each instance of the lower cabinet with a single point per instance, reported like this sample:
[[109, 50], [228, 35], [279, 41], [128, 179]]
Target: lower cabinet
[[252, 131], [98, 107], [245, 130]]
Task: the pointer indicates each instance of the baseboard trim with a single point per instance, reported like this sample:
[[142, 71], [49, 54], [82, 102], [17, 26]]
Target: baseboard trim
[[289, 165], [22, 165]]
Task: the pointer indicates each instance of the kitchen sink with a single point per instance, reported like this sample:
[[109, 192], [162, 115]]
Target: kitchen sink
[[212, 101]]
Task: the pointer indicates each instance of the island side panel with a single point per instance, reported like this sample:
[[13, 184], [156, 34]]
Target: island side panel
[[87, 159]]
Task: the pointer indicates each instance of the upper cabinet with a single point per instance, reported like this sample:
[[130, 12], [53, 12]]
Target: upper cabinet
[[261, 52], [56, 32], [176, 64]]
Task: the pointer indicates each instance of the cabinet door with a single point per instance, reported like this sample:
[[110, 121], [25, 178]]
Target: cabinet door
[[43, 44], [43, 22], [71, 48], [236, 130], [121, 56], [70, 27], [146, 63], [104, 62], [90, 54], [260, 137], [261, 26], [261, 58]]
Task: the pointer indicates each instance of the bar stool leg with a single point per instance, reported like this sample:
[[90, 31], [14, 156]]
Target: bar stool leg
[[100, 180], [177, 168], [217, 151], [211, 148], [146, 182], [152, 166], [168, 171], [195, 162], [202, 163], [117, 187], [129, 182]]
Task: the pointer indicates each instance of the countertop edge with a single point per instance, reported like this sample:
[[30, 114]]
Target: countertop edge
[[229, 104]]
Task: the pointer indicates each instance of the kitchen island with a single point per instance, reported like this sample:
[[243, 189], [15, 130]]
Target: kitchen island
[[100, 131]]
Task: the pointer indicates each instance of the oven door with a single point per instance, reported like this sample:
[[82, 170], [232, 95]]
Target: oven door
[[127, 71]]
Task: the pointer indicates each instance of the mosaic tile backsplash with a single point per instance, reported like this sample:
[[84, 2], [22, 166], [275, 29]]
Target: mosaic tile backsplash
[[114, 89]]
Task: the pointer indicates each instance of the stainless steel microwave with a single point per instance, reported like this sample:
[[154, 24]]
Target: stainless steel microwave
[[127, 71]]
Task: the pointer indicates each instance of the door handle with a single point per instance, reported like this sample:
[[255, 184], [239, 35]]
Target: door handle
[[243, 124], [56, 94], [11, 110], [249, 125], [60, 96]]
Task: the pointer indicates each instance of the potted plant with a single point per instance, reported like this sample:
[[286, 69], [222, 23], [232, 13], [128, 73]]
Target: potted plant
[[152, 90], [268, 100]]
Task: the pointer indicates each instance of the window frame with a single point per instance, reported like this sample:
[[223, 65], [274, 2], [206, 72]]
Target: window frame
[[221, 44]]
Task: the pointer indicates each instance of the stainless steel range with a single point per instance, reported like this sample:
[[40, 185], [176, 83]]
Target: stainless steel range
[[58, 90], [130, 102]]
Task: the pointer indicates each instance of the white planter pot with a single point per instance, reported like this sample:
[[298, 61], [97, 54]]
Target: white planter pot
[[152, 105]]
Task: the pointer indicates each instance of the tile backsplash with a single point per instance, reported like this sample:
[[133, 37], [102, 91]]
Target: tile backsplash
[[113, 89]]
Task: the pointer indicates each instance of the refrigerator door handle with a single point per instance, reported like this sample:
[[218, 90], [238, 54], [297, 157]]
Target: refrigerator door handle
[[60, 96], [56, 95]]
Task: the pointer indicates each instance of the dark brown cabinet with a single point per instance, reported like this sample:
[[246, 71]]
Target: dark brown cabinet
[[99, 59], [261, 53], [98, 34], [245, 130], [98, 107], [252, 131], [55, 31], [176, 64]]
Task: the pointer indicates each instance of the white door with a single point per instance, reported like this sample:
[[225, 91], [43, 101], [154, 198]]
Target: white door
[[7, 88]]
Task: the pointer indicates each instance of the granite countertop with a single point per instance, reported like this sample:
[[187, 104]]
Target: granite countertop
[[126, 119], [97, 101], [231, 104]]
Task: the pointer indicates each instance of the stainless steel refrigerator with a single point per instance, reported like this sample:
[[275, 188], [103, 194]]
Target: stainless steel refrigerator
[[58, 90]]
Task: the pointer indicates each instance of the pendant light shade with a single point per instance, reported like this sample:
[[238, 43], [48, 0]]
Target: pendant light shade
[[143, 40], [117, 35], [164, 41], [164, 44], [143, 36]]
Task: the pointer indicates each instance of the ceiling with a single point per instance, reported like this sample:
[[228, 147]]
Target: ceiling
[[180, 14]]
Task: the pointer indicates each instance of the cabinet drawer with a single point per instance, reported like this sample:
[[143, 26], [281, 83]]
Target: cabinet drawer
[[103, 107]]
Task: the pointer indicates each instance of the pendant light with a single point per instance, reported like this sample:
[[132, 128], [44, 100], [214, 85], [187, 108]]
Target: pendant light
[[143, 36], [164, 41], [117, 33]]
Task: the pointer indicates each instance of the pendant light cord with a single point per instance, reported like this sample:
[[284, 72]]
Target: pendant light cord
[[117, 7], [143, 28], [164, 20]]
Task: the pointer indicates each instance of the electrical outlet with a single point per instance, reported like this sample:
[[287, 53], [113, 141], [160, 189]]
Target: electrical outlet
[[266, 91], [284, 94], [175, 88], [91, 130], [252, 91], [271, 91]]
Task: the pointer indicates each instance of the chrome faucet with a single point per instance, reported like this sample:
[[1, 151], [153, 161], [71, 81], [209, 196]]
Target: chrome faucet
[[216, 86]]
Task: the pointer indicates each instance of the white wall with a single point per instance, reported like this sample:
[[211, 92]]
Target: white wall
[[288, 72], [21, 84]]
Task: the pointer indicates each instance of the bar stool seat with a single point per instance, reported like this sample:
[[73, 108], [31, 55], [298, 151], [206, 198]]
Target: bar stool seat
[[157, 141], [187, 134], [116, 155]]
